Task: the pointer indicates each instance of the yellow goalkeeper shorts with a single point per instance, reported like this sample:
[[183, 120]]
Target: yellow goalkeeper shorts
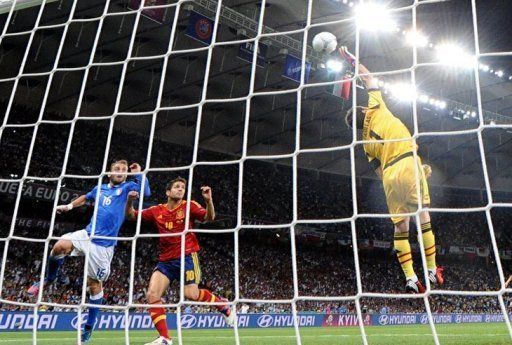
[[399, 179]]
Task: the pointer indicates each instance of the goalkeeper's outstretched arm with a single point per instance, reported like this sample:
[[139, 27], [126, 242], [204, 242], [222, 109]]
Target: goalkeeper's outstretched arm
[[364, 74]]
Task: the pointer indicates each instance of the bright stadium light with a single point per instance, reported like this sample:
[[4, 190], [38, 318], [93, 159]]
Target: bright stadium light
[[423, 98], [499, 74], [403, 92], [484, 68], [334, 65], [374, 17], [415, 38], [453, 55]]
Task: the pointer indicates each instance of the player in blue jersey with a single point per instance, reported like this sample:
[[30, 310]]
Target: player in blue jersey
[[110, 217]]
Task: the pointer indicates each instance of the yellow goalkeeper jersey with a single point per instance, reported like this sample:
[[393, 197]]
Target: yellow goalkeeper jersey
[[381, 124]]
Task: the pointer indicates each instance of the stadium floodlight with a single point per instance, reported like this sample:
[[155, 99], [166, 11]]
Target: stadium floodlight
[[453, 55], [484, 68], [403, 92], [416, 38], [334, 65], [374, 17], [423, 98]]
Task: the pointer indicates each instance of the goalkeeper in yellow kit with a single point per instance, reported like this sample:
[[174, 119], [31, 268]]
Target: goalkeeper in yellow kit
[[395, 164]]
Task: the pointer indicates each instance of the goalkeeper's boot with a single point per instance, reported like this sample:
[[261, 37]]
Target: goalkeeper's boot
[[414, 286], [160, 341], [86, 335], [436, 276]]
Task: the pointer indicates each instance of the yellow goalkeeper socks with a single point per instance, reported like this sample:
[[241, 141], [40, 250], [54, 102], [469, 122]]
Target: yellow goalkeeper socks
[[429, 243], [403, 252]]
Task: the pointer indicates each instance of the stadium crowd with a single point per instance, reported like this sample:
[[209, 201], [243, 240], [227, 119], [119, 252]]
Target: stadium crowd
[[325, 267], [265, 273]]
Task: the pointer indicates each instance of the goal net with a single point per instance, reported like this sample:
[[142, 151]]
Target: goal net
[[232, 95]]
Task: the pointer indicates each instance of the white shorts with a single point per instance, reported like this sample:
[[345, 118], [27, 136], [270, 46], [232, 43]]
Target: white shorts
[[99, 257]]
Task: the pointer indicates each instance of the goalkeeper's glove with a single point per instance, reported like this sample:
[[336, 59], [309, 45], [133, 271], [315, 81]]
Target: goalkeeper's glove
[[347, 56]]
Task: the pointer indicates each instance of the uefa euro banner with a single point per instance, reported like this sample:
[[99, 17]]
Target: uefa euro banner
[[68, 321]]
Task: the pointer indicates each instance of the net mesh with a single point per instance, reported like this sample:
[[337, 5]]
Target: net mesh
[[262, 32]]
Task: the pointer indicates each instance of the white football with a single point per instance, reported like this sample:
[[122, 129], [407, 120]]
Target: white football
[[324, 42]]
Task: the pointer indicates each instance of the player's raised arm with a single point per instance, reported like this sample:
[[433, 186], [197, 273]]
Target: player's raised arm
[[210, 209], [129, 210], [369, 81], [136, 183], [80, 201]]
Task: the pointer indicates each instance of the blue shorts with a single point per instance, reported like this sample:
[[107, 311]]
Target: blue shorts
[[171, 269]]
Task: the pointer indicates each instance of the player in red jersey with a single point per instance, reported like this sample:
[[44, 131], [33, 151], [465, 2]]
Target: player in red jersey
[[170, 218]]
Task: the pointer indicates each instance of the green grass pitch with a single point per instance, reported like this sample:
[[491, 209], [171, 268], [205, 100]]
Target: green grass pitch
[[466, 334]]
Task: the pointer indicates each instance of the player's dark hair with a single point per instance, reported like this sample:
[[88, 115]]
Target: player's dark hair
[[116, 161], [172, 182], [359, 117]]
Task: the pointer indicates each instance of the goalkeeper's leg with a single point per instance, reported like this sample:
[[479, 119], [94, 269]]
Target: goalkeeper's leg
[[435, 274], [403, 252]]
